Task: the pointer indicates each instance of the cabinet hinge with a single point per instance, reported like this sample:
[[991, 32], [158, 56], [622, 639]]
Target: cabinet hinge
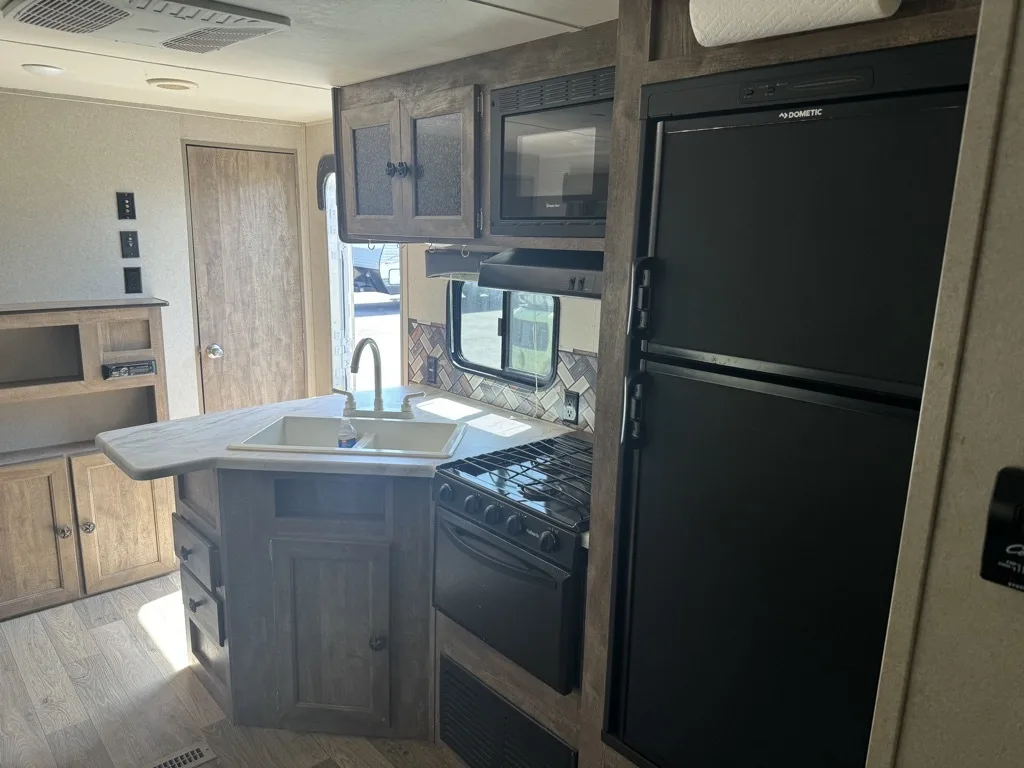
[[640, 298], [633, 409], [479, 220]]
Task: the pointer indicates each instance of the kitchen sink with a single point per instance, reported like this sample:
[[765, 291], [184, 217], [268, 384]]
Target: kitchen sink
[[377, 437]]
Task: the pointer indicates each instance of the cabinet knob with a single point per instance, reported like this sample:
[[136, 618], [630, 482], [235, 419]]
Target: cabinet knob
[[378, 643], [89, 527], [390, 169], [193, 604], [64, 532], [183, 553], [403, 170]]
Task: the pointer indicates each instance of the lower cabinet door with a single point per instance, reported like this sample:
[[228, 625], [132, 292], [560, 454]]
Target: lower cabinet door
[[38, 549], [332, 607], [124, 526]]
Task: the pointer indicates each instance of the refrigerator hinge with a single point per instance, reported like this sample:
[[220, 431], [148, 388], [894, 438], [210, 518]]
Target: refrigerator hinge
[[633, 409], [640, 299]]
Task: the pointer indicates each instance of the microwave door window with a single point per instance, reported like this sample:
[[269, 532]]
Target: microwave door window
[[555, 163]]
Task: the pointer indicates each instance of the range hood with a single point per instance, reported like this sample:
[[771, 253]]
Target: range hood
[[560, 273], [455, 263]]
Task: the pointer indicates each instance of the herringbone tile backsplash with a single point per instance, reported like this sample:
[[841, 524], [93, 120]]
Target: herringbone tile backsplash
[[577, 372]]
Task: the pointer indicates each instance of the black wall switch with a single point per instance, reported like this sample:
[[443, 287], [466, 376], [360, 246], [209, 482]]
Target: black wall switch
[[133, 279], [129, 245], [126, 205], [1002, 559], [431, 370]]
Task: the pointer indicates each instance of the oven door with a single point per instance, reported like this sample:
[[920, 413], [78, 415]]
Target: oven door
[[524, 607]]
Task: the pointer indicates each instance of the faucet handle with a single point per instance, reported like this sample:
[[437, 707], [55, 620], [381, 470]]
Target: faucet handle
[[407, 401], [350, 399]]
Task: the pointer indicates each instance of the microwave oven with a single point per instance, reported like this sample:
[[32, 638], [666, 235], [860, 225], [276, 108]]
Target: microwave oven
[[550, 150]]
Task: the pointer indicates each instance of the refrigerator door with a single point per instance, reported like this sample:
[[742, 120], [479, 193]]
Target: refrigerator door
[[764, 531], [812, 243]]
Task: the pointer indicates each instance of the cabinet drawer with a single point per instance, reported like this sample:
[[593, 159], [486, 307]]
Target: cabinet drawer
[[202, 608], [196, 553]]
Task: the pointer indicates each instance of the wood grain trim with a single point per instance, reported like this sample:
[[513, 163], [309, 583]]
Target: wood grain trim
[[463, 102], [387, 113], [76, 317]]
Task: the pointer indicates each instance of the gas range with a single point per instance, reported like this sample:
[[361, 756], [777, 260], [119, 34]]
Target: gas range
[[536, 495]]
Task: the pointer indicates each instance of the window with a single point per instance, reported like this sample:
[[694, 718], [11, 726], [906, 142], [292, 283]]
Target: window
[[509, 335]]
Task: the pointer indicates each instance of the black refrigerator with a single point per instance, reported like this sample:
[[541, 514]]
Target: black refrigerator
[[790, 244]]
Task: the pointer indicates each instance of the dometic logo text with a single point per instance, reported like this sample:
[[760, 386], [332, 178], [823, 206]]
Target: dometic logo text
[[800, 113]]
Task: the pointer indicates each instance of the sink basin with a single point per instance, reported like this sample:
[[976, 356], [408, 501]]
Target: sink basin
[[377, 437]]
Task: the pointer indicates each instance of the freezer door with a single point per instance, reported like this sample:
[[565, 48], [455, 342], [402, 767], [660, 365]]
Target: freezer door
[[811, 243], [763, 538]]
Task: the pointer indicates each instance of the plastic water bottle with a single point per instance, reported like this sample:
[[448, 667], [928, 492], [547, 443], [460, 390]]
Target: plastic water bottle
[[347, 435]]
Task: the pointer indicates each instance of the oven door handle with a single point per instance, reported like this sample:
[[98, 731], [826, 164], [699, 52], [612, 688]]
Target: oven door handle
[[521, 571]]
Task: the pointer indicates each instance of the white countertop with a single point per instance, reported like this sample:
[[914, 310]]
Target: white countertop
[[169, 448]]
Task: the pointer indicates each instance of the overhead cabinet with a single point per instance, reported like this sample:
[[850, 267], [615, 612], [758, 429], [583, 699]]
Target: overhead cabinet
[[409, 168]]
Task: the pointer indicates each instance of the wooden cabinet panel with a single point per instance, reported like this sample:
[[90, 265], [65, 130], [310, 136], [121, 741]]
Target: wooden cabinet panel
[[439, 135], [371, 179], [124, 526], [197, 555], [38, 566], [202, 608], [332, 606]]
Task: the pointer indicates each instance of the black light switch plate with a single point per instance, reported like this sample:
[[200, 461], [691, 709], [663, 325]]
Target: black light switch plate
[[126, 205], [431, 370], [129, 245], [1002, 558], [133, 279]]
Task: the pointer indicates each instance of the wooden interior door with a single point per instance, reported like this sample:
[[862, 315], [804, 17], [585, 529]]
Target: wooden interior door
[[248, 276], [332, 606], [124, 526], [38, 549]]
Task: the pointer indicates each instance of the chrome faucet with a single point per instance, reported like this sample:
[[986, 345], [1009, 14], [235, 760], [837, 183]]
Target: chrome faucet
[[378, 397]]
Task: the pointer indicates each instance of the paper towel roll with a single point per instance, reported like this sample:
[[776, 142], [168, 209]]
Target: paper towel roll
[[720, 22]]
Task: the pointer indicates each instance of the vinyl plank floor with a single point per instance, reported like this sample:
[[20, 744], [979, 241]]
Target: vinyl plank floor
[[154, 589], [68, 634], [239, 747], [22, 742], [79, 746], [352, 752], [46, 680], [403, 753], [97, 610]]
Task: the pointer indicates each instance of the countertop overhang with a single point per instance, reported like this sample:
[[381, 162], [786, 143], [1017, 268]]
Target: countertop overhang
[[180, 446]]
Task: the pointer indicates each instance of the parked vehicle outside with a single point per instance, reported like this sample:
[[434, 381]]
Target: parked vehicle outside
[[377, 268]]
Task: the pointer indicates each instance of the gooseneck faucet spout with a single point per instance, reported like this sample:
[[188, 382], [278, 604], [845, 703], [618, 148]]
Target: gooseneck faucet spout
[[378, 398]]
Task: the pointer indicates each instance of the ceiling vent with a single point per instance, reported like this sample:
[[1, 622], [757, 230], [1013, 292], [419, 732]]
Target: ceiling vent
[[200, 26]]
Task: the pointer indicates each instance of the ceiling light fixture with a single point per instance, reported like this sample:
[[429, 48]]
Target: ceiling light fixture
[[172, 84], [46, 70]]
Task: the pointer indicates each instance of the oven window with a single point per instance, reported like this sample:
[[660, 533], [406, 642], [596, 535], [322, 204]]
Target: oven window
[[510, 335], [555, 163]]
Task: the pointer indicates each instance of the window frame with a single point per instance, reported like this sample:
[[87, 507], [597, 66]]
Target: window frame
[[506, 374]]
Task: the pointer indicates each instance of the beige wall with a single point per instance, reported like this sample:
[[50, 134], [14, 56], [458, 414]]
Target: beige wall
[[319, 142], [427, 302], [61, 162]]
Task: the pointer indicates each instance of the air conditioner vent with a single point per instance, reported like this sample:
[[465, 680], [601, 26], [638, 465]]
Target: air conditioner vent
[[78, 16], [213, 38]]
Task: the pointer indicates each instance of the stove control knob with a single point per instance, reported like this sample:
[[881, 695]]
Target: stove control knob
[[548, 541], [493, 514], [444, 493], [472, 505], [514, 525]]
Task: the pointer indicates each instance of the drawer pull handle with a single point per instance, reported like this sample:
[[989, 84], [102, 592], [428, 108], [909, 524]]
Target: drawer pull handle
[[89, 527], [184, 552], [378, 643], [193, 604], [64, 532]]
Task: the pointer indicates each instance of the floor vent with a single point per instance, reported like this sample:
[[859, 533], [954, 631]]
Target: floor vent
[[197, 754], [78, 16], [485, 730]]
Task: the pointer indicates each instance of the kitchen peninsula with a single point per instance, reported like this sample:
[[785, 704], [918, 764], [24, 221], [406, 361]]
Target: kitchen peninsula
[[306, 576]]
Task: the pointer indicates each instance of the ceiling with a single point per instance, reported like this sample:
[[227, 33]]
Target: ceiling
[[288, 75]]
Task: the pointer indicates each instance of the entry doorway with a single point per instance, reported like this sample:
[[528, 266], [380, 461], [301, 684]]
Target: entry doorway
[[247, 268], [366, 301]]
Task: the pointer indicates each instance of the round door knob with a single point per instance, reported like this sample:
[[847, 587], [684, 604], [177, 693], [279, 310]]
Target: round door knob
[[445, 492], [214, 351], [89, 527], [514, 525], [472, 505], [64, 532], [183, 553], [378, 643], [493, 514], [193, 604], [548, 541]]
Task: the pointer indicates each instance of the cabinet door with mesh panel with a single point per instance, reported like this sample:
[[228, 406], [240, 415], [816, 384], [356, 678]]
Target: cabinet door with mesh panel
[[371, 149]]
